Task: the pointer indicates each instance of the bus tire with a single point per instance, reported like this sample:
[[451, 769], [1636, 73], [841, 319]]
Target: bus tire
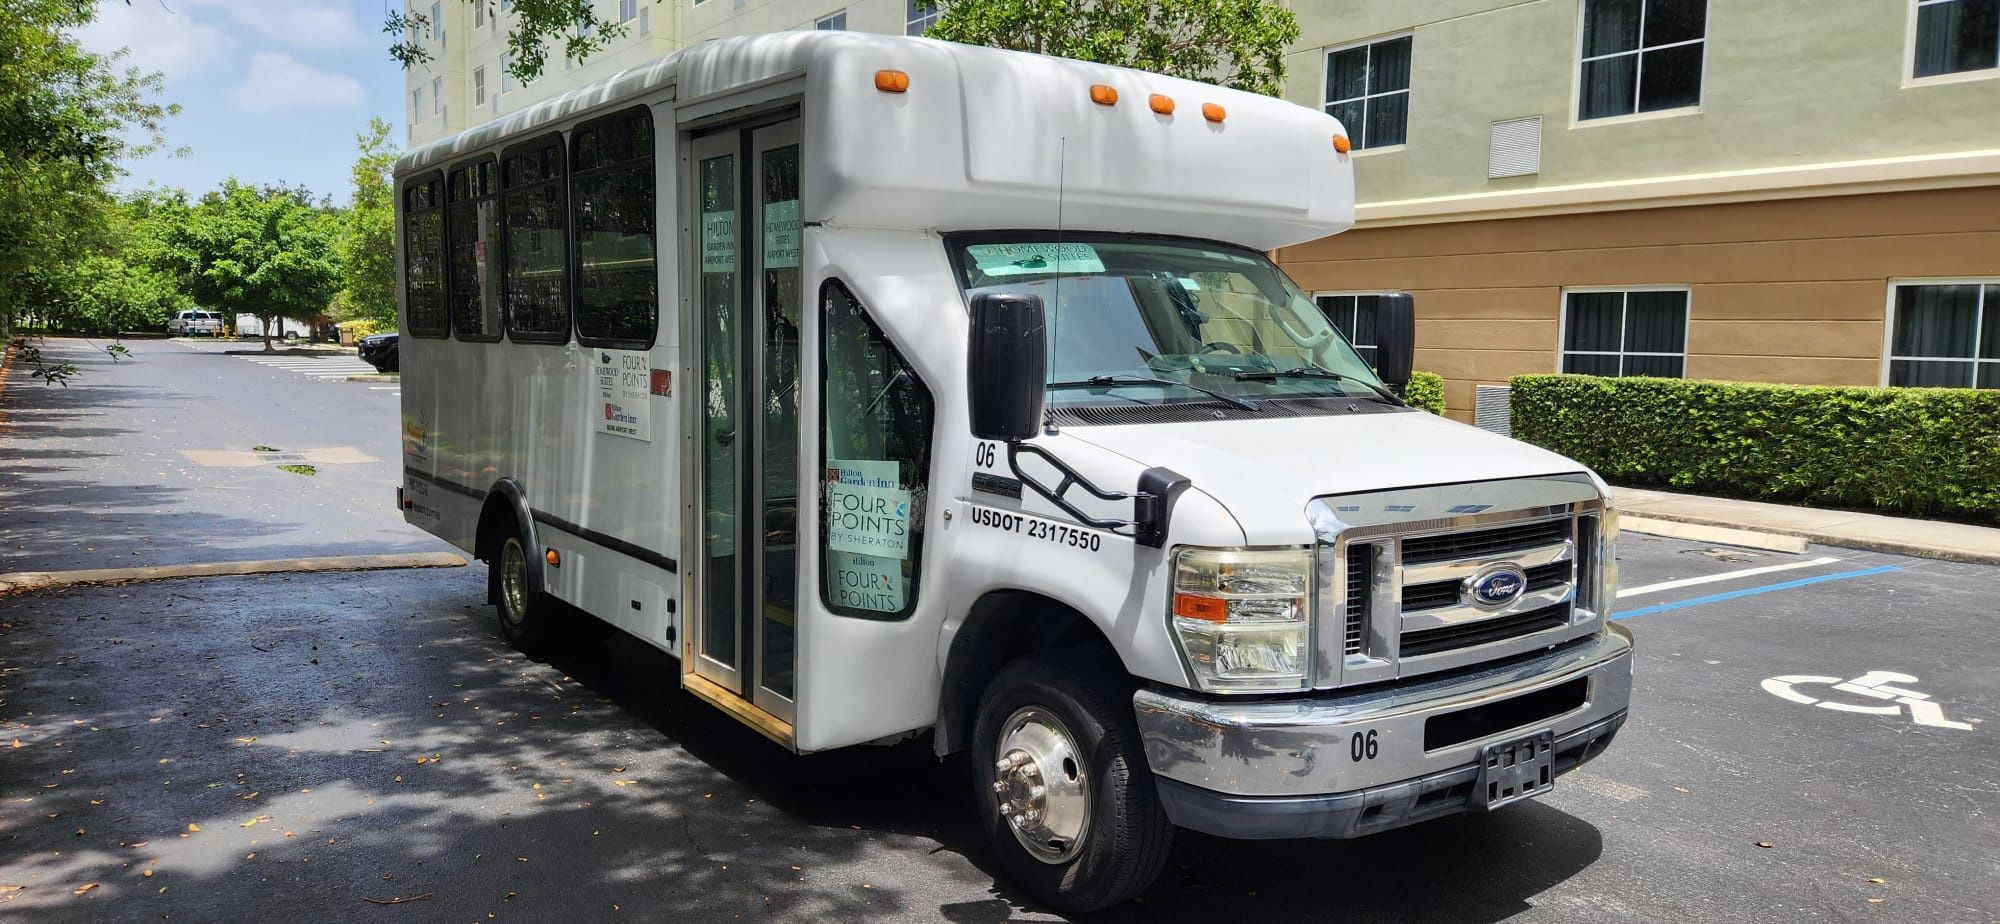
[[524, 615], [1062, 785]]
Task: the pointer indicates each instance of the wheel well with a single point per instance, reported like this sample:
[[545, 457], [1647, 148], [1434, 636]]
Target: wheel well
[[1003, 627], [496, 523]]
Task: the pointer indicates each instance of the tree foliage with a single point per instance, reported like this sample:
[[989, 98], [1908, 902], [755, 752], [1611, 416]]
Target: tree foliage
[[267, 251], [540, 26], [368, 233], [68, 120], [1237, 43]]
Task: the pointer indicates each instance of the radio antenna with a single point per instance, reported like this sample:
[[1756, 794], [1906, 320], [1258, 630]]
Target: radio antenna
[[1055, 310]]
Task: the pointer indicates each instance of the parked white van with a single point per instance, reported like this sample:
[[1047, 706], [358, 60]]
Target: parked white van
[[899, 387]]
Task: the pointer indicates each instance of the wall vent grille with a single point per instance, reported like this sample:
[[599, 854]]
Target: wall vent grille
[[1516, 149]]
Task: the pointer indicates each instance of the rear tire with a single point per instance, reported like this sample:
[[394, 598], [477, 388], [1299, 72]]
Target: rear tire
[[1074, 816], [524, 615]]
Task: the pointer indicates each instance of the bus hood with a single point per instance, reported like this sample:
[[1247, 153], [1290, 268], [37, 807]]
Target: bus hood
[[1265, 471]]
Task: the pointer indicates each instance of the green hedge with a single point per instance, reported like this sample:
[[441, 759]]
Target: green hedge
[[1914, 451], [1426, 391]]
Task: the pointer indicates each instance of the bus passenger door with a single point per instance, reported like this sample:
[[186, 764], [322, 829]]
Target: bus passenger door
[[746, 233]]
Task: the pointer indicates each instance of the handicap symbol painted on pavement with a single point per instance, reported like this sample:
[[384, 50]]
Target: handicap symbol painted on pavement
[[1874, 685]]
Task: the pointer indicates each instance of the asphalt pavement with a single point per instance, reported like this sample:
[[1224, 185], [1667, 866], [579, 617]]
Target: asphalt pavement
[[363, 747]]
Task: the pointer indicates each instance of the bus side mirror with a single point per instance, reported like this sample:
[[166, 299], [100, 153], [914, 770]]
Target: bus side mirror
[[1395, 339], [1006, 366]]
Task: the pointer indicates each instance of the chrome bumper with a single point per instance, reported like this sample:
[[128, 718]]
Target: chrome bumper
[[1235, 753]]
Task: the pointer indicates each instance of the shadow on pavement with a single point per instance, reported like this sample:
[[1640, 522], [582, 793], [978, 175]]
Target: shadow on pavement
[[338, 738]]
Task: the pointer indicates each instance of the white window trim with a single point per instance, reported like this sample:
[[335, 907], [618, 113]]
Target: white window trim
[[1910, 58], [1576, 119], [936, 12], [1325, 70], [1889, 325], [1348, 293], [479, 85], [1562, 324], [829, 17]]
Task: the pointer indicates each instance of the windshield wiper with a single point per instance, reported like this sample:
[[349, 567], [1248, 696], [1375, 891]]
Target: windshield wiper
[[1107, 380], [1315, 372]]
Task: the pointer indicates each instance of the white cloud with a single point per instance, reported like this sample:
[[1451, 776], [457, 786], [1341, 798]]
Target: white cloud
[[315, 24], [279, 82], [176, 44]]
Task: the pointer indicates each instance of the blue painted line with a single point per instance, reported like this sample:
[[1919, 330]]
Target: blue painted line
[[1752, 591]]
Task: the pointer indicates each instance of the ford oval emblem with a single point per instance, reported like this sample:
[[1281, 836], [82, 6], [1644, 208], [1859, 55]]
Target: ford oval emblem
[[1496, 586]]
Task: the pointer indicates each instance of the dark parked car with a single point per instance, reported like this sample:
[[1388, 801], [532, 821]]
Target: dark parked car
[[381, 351]]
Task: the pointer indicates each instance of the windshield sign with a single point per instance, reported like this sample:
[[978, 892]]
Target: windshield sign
[[1165, 322]]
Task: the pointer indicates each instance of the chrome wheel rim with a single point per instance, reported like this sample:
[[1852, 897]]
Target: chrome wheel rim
[[513, 582], [1040, 787]]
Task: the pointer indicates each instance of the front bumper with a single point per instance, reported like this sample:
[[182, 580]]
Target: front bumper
[[1303, 767]]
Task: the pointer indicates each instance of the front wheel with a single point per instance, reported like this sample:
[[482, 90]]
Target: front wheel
[[1062, 784], [524, 615]]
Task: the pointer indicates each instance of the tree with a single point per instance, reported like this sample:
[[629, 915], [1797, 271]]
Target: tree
[[572, 25], [126, 283], [68, 120], [368, 233], [267, 251], [1237, 43]]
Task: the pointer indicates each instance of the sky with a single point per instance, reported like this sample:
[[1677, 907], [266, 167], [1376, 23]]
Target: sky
[[270, 90]]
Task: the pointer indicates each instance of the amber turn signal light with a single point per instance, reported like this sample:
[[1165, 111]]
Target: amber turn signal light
[[1206, 609], [554, 558], [892, 81], [1103, 95]]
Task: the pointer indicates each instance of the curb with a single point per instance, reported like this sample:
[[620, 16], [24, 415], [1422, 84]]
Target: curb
[[1824, 537], [385, 377], [23, 581], [1704, 532]]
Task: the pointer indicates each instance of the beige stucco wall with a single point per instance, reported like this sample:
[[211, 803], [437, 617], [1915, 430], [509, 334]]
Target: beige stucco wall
[[1787, 82], [1791, 291]]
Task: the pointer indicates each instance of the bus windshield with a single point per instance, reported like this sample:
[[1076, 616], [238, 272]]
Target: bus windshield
[[1164, 321]]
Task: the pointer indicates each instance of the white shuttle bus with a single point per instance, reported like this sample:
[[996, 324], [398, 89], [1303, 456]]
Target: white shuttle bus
[[896, 386]]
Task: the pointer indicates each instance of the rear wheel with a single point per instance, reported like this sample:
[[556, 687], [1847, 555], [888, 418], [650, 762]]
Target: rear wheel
[[1062, 785], [524, 614]]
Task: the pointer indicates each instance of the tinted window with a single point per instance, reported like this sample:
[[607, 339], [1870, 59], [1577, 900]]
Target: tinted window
[[423, 258], [535, 289], [473, 241], [617, 280]]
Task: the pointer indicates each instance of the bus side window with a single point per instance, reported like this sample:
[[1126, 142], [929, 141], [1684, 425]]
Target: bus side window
[[472, 241], [423, 255], [535, 227], [875, 432], [617, 283]]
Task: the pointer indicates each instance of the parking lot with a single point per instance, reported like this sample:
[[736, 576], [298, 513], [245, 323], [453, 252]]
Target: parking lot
[[363, 746]]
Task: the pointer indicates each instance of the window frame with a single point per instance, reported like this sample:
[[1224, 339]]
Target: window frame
[[1326, 105], [403, 240], [437, 96], [919, 540], [927, 12], [1889, 327], [479, 86], [820, 24], [1910, 78], [576, 250], [499, 221], [507, 250], [1351, 293], [1576, 119], [1562, 325]]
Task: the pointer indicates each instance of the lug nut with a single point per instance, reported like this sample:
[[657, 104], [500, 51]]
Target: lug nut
[[1036, 792], [999, 787], [1020, 822], [1002, 765], [1032, 815]]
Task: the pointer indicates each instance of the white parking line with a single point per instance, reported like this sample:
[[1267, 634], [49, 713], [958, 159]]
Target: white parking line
[[1725, 576], [395, 388]]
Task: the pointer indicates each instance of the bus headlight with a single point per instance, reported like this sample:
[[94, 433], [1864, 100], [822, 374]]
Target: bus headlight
[[1242, 619]]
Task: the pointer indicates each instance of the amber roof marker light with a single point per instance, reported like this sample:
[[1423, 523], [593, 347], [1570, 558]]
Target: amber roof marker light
[[1161, 104], [1341, 144], [1214, 112], [889, 81], [1103, 95]]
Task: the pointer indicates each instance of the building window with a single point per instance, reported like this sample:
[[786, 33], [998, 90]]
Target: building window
[[423, 258], [437, 96], [1368, 90], [628, 10], [506, 73], [1954, 36], [437, 22], [478, 13], [472, 238], [416, 104], [535, 226], [479, 86], [1640, 56], [920, 15], [1641, 332], [617, 283], [877, 449], [1946, 334], [834, 23], [1354, 317]]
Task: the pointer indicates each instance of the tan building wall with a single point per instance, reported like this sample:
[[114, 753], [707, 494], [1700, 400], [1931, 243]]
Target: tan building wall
[[1792, 290]]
